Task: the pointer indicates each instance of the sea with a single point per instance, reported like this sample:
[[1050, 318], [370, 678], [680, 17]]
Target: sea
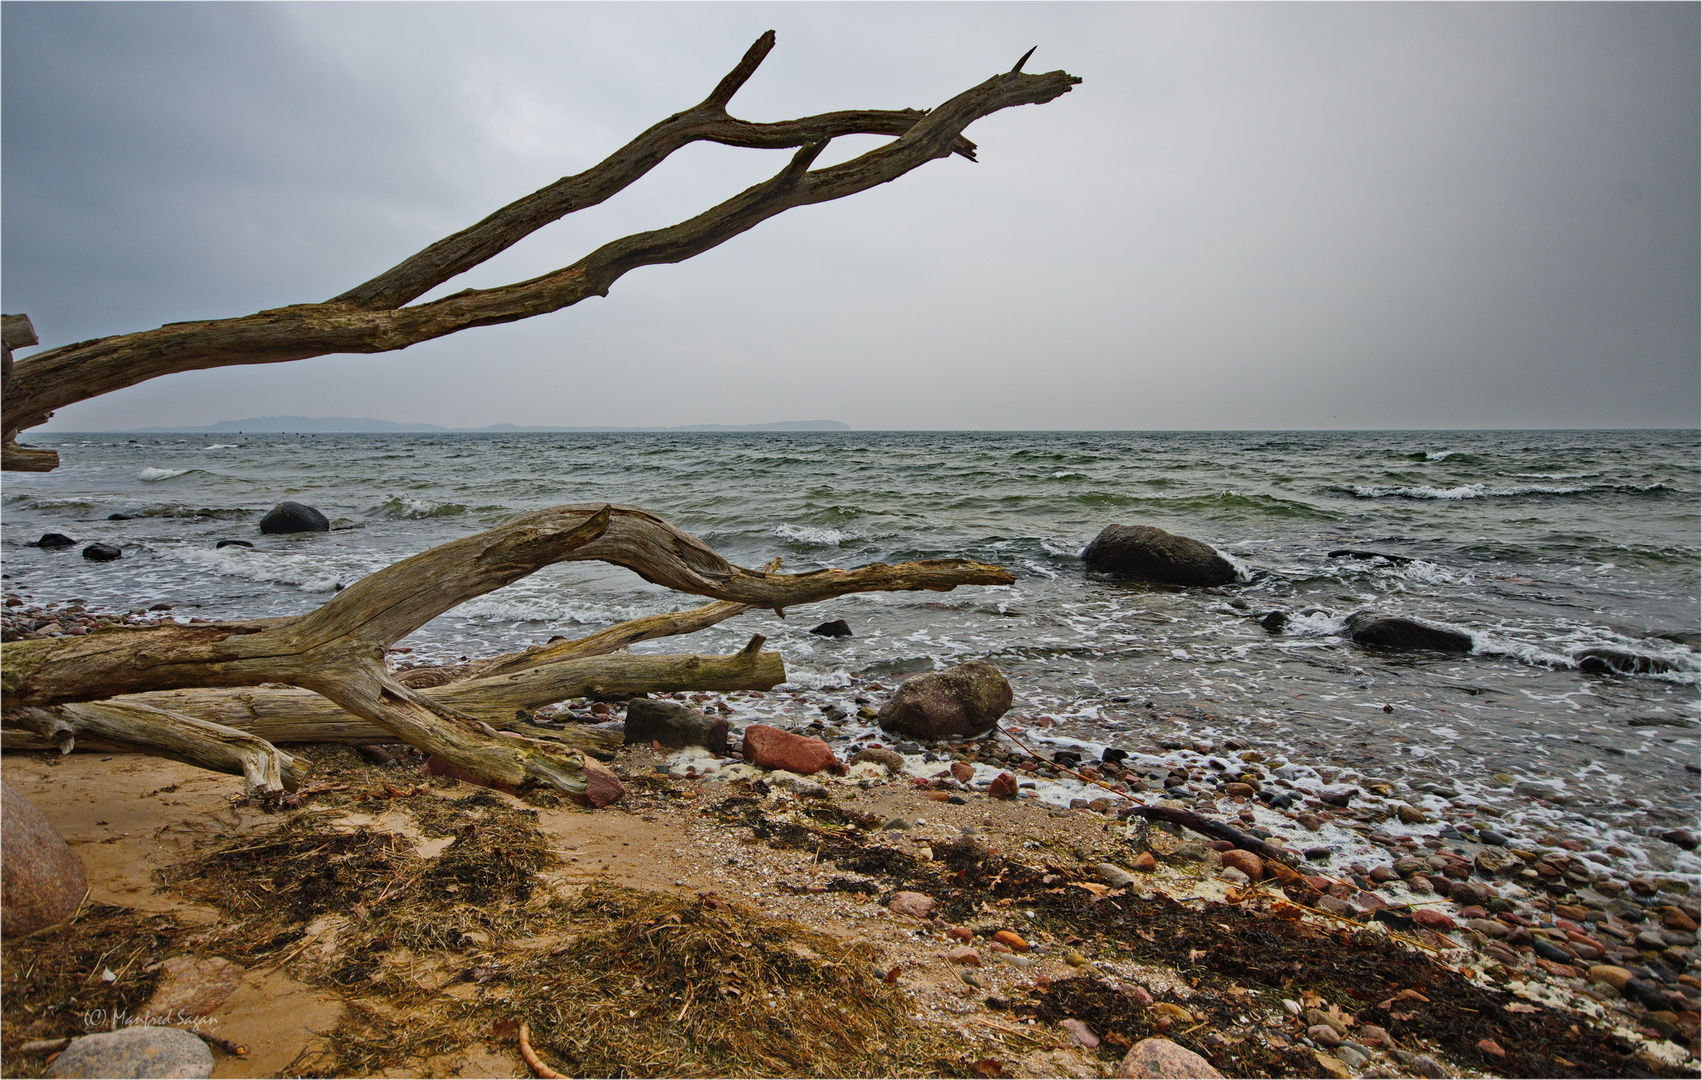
[[1539, 544]]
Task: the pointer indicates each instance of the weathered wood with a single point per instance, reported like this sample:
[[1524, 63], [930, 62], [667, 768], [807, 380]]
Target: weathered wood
[[16, 332], [372, 317]]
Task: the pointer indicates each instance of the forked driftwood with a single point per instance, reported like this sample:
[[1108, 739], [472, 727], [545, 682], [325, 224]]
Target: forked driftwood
[[378, 316], [59, 688]]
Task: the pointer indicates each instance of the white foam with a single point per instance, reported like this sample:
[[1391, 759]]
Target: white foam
[[809, 534], [302, 571], [223, 446], [151, 474]]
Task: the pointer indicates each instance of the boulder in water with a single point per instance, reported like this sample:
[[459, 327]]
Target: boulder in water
[[836, 628], [294, 517], [1394, 632], [135, 1051], [233, 543], [1600, 661], [673, 725], [43, 878], [102, 553], [1274, 621], [960, 702], [55, 541], [1151, 554]]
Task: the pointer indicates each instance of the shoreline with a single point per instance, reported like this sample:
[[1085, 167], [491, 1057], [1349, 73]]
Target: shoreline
[[1529, 922]]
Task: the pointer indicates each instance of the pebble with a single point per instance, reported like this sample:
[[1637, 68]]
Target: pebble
[[1161, 1059], [1075, 959], [1145, 863], [1114, 875], [1491, 1047], [1080, 1033], [1246, 862], [916, 905], [1011, 940], [1324, 1035], [965, 955], [135, 1052], [1431, 919]]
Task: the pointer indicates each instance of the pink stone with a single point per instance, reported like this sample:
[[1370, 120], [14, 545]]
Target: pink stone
[[1246, 862], [191, 987], [1161, 1059], [1003, 786], [1431, 919], [963, 954], [602, 786], [772, 748], [1079, 1033], [914, 904], [43, 878]]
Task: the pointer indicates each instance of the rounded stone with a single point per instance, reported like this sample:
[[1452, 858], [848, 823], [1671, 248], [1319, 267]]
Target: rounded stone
[[43, 878], [294, 517], [1151, 554], [1161, 1059], [964, 701], [135, 1052], [102, 552]]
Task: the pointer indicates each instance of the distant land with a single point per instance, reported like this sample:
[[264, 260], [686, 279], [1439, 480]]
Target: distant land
[[346, 425]]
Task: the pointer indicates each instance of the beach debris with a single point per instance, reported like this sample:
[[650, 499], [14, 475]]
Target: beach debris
[[1161, 1059], [138, 1051], [960, 702], [531, 1056], [99, 552], [1395, 632], [673, 725], [1146, 553], [835, 628], [772, 748], [44, 881], [192, 986], [294, 517]]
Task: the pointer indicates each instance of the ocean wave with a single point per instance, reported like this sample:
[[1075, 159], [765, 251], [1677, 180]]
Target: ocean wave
[[402, 508], [150, 474], [223, 446], [809, 535], [179, 510], [307, 573], [1484, 491]]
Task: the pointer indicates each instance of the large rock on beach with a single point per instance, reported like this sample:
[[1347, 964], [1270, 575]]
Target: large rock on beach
[[673, 725], [1151, 554], [294, 517], [43, 878], [1163, 1060], [602, 785], [135, 1052], [771, 748], [960, 702], [1394, 632]]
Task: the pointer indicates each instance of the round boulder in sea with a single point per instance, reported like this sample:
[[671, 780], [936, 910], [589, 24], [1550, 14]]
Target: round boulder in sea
[[1146, 553], [1394, 632], [960, 702], [294, 517]]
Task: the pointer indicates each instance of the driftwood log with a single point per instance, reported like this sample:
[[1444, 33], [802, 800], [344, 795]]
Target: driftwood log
[[378, 316], [117, 685]]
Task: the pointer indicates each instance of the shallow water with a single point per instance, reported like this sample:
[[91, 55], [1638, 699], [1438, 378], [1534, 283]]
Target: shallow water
[[1537, 543]]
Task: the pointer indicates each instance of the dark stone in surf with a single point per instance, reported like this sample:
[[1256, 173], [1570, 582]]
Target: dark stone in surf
[[1274, 621], [1619, 662], [960, 702], [294, 517], [673, 725], [102, 553], [836, 628], [1350, 553], [233, 543], [1151, 554], [1394, 632], [119, 517], [55, 541]]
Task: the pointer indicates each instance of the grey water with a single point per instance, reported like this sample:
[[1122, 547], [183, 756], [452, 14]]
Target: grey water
[[1538, 543]]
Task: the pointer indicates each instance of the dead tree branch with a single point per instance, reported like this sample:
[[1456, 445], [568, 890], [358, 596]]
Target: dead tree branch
[[376, 316]]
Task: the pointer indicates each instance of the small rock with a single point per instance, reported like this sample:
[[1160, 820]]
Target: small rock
[[1079, 1033], [1675, 918], [965, 955], [891, 760], [1238, 790], [1274, 621], [294, 517], [1495, 861], [1113, 875], [602, 786], [1491, 1048], [43, 879], [916, 905], [964, 701], [135, 1052], [191, 987], [772, 748], [962, 771], [836, 628], [1075, 959], [233, 543], [1683, 838], [1246, 862], [1145, 863], [1375, 1037], [102, 553], [1161, 1059], [897, 824], [55, 541], [1431, 919], [1324, 1035], [1352, 1056], [1003, 786], [1011, 940]]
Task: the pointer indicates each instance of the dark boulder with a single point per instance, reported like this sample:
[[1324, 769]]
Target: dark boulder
[[294, 517], [1394, 632], [43, 878], [1619, 662], [960, 702], [119, 517], [102, 553], [233, 543], [1150, 554], [55, 541], [673, 725], [1274, 621], [836, 628]]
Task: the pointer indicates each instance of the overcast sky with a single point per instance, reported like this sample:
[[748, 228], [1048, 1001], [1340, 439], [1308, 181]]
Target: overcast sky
[[1267, 215]]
